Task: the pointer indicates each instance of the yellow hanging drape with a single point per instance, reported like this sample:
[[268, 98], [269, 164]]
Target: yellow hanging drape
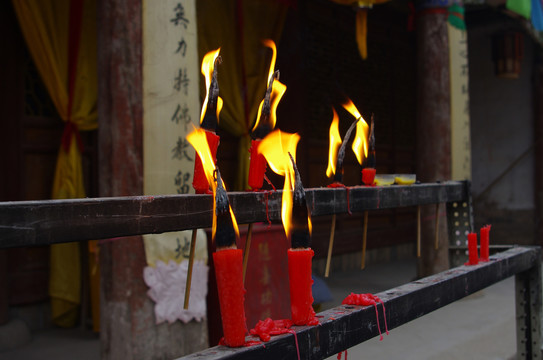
[[238, 28], [45, 26]]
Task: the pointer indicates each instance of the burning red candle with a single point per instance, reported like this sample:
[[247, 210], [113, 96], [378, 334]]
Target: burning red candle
[[228, 270], [257, 167], [199, 182], [301, 297], [485, 230], [368, 176], [472, 249]]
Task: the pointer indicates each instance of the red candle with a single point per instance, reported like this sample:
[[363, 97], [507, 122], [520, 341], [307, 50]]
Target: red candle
[[484, 242], [257, 167], [472, 249], [228, 270], [368, 176], [199, 181], [301, 297]]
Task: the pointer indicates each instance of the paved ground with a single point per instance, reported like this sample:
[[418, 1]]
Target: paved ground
[[480, 326]]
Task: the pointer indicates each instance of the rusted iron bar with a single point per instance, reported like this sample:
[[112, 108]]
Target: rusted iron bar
[[345, 326], [29, 223]]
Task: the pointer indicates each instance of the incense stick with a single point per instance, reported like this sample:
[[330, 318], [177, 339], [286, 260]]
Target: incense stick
[[436, 242], [418, 231], [364, 238], [330, 246], [246, 250], [189, 271]]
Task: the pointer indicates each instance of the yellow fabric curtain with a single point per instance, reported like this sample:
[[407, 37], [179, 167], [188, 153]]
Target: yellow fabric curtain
[[238, 28], [46, 29]]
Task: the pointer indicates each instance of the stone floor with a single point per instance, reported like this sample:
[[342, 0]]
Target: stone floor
[[481, 326]]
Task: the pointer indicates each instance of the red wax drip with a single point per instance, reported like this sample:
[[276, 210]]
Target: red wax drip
[[339, 355], [472, 249], [266, 328], [367, 300], [301, 298], [199, 181], [340, 185], [257, 167], [296, 341], [228, 270], [368, 176], [485, 230]]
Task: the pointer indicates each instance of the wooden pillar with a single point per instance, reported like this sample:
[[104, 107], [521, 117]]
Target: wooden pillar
[[433, 126], [538, 141], [128, 329]]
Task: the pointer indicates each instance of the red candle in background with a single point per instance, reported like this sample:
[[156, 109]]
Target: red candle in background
[[485, 230], [257, 167], [472, 249], [301, 297], [199, 181], [228, 270], [368, 176]]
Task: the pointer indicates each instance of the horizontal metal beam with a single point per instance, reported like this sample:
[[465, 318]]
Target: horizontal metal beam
[[345, 326], [31, 223]]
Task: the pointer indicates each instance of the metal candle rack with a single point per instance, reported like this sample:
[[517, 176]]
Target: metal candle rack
[[33, 223]]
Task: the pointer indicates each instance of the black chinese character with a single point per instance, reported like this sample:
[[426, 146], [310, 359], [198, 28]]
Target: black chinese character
[[180, 16], [182, 115], [181, 47], [182, 250], [181, 80], [180, 149], [181, 182]]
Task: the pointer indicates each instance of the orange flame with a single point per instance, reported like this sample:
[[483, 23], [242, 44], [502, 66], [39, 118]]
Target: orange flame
[[197, 138], [271, 44], [360, 142], [278, 89], [335, 143], [208, 65], [275, 147]]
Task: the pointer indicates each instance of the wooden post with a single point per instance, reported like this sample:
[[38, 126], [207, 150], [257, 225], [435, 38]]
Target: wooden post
[[433, 123], [128, 329], [538, 141]]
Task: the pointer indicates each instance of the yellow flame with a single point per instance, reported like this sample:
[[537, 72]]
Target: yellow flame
[[271, 44], [278, 89], [197, 138], [275, 147], [208, 65], [360, 142], [335, 143]]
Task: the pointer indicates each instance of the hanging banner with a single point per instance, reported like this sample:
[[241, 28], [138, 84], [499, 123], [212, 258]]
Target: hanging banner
[[460, 120], [171, 107]]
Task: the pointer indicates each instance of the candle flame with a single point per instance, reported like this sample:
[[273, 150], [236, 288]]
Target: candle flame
[[276, 147], [278, 90], [271, 44], [197, 138], [335, 143], [208, 66], [360, 142]]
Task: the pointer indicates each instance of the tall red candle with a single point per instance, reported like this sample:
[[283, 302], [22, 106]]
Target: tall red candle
[[199, 181], [257, 167], [368, 176], [228, 270], [485, 230], [472, 249], [301, 297]]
